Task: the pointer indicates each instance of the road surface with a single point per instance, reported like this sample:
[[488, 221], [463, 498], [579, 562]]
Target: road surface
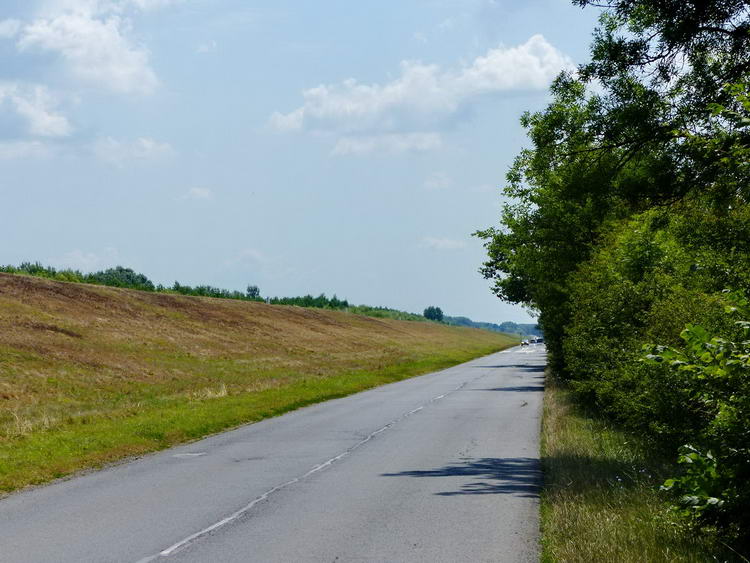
[[442, 467]]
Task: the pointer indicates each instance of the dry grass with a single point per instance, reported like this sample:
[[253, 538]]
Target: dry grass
[[601, 500], [90, 374]]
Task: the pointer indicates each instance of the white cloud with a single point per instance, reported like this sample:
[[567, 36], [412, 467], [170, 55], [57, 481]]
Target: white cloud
[[424, 97], [438, 181], [393, 143], [121, 152], [92, 37], [199, 194], [23, 149], [9, 28], [443, 243], [94, 49], [37, 106]]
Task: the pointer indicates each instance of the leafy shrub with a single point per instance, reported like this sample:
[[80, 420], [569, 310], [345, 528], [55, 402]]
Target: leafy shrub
[[656, 278], [121, 277], [433, 313], [713, 374]]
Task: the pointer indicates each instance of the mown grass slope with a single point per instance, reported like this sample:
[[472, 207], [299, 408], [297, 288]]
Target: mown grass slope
[[90, 374]]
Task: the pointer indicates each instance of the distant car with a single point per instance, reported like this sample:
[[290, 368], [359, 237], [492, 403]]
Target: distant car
[[524, 342]]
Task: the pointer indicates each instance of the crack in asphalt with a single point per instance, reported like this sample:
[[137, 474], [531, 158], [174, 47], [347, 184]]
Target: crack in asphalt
[[176, 547]]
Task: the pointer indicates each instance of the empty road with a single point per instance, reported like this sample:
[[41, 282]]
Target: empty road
[[442, 467]]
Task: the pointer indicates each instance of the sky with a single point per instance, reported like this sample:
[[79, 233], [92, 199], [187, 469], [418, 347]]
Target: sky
[[304, 147]]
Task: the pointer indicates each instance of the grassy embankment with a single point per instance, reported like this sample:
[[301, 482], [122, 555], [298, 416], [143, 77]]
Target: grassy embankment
[[601, 499], [90, 374]]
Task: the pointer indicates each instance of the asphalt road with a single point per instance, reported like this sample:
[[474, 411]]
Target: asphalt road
[[442, 467]]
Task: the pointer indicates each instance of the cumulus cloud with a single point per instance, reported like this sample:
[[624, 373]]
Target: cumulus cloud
[[37, 106], [95, 50], [93, 38], [120, 153], [443, 243], [425, 97]]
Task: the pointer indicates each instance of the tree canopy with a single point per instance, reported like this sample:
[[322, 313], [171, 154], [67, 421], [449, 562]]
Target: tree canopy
[[628, 216], [433, 313]]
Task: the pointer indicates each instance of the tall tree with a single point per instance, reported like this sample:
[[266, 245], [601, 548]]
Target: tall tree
[[433, 313]]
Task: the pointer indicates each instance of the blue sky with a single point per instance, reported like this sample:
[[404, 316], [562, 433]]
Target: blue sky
[[306, 147]]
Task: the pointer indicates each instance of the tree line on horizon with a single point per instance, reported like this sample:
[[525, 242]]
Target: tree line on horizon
[[122, 277], [627, 227]]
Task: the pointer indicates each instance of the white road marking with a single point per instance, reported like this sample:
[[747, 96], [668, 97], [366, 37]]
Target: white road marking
[[196, 454], [174, 548]]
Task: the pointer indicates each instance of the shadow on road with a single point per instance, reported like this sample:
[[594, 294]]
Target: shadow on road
[[524, 367], [518, 388], [518, 476]]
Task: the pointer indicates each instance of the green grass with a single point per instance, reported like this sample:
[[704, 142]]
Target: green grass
[[601, 499], [160, 421], [90, 375]]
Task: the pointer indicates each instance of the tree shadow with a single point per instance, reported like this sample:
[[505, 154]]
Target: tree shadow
[[517, 476], [523, 367], [533, 384], [517, 388]]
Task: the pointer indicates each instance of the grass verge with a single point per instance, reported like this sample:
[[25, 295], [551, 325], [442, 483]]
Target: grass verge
[[90, 375], [601, 499], [93, 441]]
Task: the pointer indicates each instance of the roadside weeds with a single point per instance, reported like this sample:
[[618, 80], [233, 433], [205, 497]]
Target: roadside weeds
[[601, 499]]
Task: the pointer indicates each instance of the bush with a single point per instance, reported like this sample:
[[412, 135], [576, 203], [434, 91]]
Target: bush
[[712, 374], [121, 277], [655, 280], [433, 313]]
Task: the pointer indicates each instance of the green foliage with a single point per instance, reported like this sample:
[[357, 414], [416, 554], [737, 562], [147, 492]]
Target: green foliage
[[321, 301], [433, 313], [115, 277], [626, 218], [384, 313], [121, 277], [210, 291], [508, 327], [127, 278], [697, 486], [713, 374]]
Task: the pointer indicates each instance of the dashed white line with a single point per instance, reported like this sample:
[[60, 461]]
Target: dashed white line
[[174, 548]]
